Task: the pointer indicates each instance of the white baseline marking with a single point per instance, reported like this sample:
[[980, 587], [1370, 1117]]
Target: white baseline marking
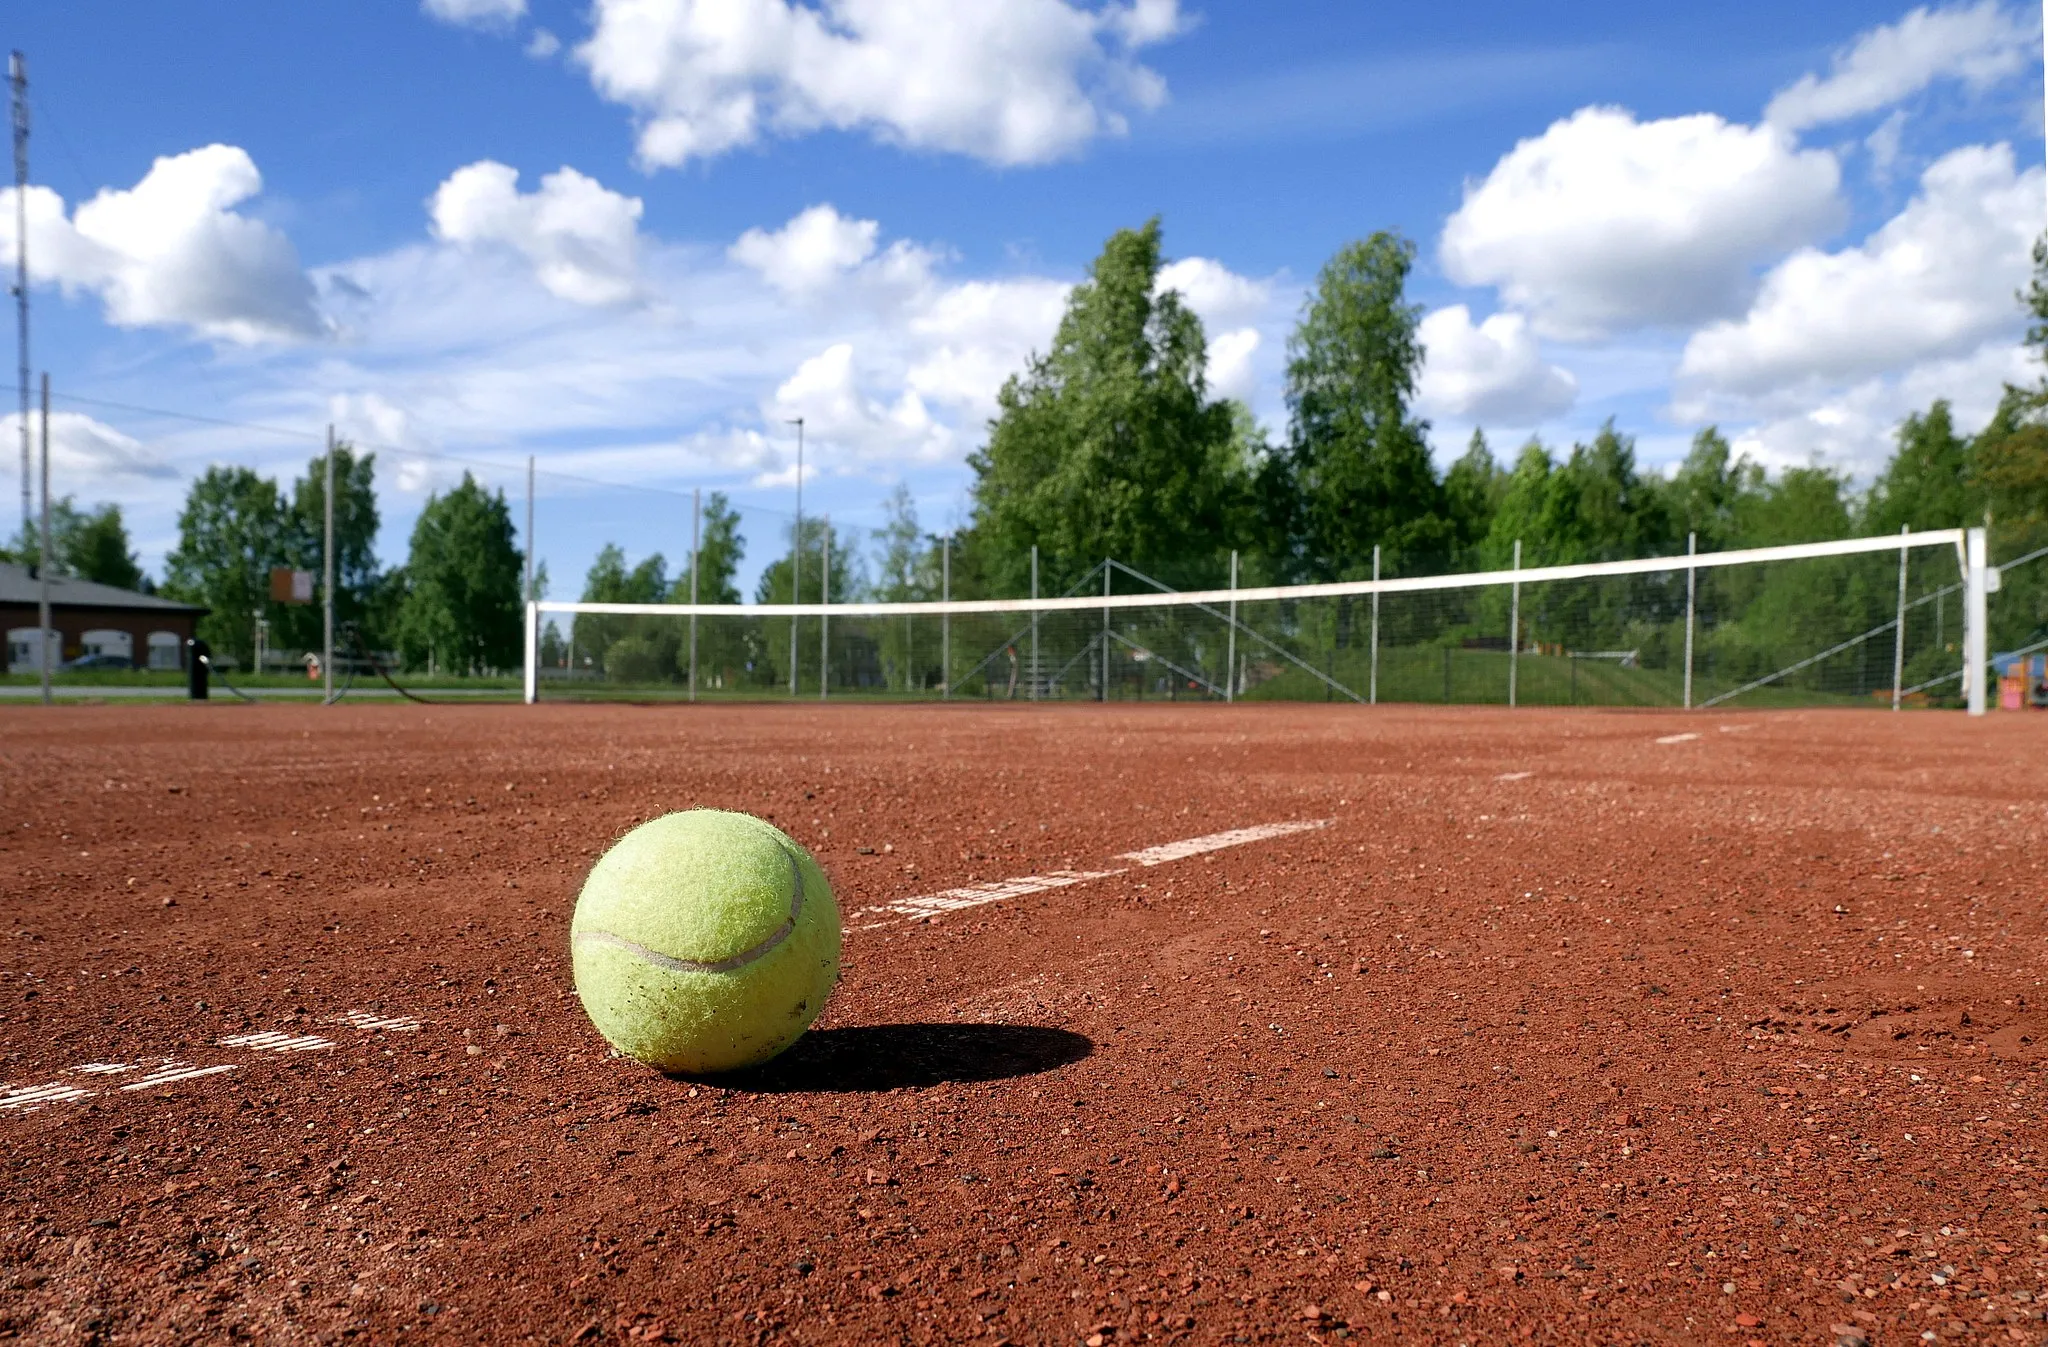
[[28, 1098], [1236, 837], [363, 1019], [1677, 738], [103, 1068], [1514, 776], [995, 891], [270, 1040], [175, 1071]]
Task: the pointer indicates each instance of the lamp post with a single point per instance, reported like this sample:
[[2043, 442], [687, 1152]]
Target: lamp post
[[796, 550]]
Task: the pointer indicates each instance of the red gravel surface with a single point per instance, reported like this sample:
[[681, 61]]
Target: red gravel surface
[[1730, 1039]]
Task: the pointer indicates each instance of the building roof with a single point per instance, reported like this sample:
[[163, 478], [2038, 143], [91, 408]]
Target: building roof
[[18, 584]]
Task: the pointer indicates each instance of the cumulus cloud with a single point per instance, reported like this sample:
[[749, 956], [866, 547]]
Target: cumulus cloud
[[1230, 371], [85, 455], [1489, 372], [1604, 223], [582, 239], [1016, 83], [1978, 44], [827, 393], [542, 45], [171, 251], [1934, 281], [1219, 296], [973, 335], [809, 252], [475, 13]]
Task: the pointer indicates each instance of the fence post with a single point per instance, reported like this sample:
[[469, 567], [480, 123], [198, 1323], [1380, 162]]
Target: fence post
[[1976, 642], [1230, 650], [696, 564], [1899, 636], [825, 619], [946, 620], [1373, 687], [1692, 580], [1515, 624], [1034, 622]]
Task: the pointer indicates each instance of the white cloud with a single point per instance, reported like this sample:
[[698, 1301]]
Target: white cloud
[[1935, 281], [1014, 83], [86, 455], [1978, 44], [542, 45], [810, 252], [1883, 144], [171, 251], [975, 334], [1490, 372], [1230, 372], [582, 239], [841, 417], [476, 13], [1219, 296], [1604, 223], [1855, 428]]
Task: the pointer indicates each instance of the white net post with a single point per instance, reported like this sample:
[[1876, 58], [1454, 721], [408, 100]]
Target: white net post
[[1033, 675], [696, 559], [1106, 569], [1373, 675], [1976, 617], [532, 652], [946, 621], [1899, 633], [1515, 623], [1230, 641], [1692, 594], [824, 620]]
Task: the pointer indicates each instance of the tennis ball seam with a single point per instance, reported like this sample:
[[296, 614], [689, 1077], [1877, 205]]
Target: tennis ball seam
[[740, 960]]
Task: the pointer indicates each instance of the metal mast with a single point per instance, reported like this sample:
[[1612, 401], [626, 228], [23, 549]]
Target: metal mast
[[17, 80]]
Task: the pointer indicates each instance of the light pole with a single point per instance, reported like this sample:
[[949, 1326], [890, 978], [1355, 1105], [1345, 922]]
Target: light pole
[[796, 550]]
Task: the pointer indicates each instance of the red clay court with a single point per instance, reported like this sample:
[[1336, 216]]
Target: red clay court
[[1553, 1026]]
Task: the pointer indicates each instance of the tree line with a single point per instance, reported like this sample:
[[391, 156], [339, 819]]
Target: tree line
[[1109, 443]]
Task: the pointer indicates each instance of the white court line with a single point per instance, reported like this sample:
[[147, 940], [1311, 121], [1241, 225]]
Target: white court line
[[1514, 776], [1677, 738], [29, 1098], [176, 1071], [1236, 837], [995, 891], [272, 1041], [103, 1068], [363, 1019]]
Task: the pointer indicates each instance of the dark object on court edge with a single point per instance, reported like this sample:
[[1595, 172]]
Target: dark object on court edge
[[196, 668]]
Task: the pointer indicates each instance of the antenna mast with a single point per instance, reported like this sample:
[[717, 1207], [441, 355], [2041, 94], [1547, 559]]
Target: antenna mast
[[17, 81]]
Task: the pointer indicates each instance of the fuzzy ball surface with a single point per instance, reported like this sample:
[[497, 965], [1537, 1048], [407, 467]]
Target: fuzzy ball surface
[[704, 941]]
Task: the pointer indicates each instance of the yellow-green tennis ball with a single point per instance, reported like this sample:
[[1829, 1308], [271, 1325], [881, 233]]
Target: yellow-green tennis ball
[[704, 941]]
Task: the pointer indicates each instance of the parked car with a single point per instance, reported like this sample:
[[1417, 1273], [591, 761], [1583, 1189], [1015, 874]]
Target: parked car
[[98, 661]]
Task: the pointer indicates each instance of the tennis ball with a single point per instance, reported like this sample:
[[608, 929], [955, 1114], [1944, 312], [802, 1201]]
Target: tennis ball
[[704, 941]]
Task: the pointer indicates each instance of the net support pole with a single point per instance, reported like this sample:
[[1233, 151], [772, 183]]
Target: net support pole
[[1034, 622], [1976, 645], [946, 620], [1106, 569], [1372, 696], [824, 599], [1899, 633], [1514, 624], [696, 565], [1230, 652], [327, 576], [1692, 595], [529, 528], [43, 556], [532, 652]]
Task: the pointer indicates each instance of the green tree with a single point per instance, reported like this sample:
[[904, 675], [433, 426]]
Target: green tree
[[1472, 493], [725, 646], [1710, 490], [1927, 484], [908, 573], [1108, 444], [1358, 461], [90, 544], [355, 540], [461, 610], [768, 653], [232, 530], [629, 649]]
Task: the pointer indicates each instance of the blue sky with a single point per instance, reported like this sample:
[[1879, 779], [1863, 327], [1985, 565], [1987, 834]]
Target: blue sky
[[634, 238]]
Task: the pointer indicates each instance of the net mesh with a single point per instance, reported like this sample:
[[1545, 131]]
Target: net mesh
[[1810, 630]]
